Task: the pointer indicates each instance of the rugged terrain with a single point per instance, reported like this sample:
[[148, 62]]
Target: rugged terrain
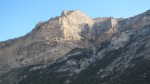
[[76, 49]]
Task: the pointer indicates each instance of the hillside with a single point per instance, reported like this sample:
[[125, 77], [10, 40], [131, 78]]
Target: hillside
[[76, 49]]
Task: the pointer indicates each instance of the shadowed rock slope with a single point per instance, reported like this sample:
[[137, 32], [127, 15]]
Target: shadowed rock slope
[[75, 49]]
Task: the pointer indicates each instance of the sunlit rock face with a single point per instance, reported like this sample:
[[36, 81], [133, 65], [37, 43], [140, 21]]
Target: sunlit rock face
[[47, 42], [76, 49]]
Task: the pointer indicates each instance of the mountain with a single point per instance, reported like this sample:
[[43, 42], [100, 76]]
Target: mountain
[[76, 49]]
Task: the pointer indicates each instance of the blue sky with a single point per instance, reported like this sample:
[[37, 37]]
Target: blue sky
[[18, 17]]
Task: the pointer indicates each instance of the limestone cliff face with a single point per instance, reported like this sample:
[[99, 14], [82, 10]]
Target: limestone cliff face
[[47, 42], [51, 40], [75, 49]]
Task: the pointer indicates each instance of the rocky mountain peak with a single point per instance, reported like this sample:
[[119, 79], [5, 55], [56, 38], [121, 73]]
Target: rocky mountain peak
[[48, 41], [75, 12], [65, 12], [75, 17], [74, 48], [68, 25]]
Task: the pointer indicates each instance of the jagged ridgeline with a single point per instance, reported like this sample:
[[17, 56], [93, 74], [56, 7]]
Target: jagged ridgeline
[[76, 49]]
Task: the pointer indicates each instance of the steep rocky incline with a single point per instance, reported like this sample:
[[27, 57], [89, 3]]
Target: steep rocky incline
[[75, 49], [47, 42]]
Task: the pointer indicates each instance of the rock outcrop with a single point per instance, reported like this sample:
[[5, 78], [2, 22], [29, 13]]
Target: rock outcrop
[[47, 42], [75, 49]]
